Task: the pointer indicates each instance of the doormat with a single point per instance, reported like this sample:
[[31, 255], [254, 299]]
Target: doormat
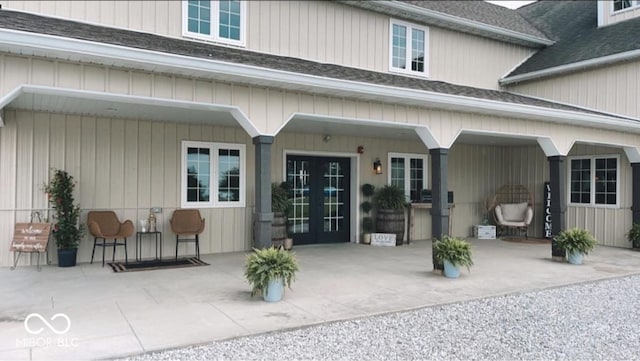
[[154, 265], [530, 240]]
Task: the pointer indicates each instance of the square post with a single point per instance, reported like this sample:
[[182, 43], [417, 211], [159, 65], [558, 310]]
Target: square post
[[635, 192], [558, 202], [263, 215], [439, 190]]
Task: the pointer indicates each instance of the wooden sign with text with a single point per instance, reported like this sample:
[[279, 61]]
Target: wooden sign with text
[[383, 239], [30, 237]]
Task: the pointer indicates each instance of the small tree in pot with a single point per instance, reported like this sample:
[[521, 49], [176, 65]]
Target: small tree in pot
[[390, 203], [66, 229], [280, 205], [368, 190]]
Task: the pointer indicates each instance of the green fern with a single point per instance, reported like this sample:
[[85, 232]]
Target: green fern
[[266, 264], [576, 240], [454, 250]]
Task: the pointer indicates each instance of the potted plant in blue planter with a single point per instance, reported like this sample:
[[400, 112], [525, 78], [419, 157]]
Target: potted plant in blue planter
[[66, 228], [453, 253], [576, 242], [269, 270], [634, 236]]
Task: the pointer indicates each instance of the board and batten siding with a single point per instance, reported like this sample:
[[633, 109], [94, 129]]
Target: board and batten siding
[[123, 165], [322, 31], [609, 225], [612, 88]]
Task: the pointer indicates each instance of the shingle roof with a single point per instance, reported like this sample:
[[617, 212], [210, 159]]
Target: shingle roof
[[72, 29], [483, 12], [574, 26]]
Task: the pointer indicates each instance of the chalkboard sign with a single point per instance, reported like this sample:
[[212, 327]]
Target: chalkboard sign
[[383, 239], [30, 237]]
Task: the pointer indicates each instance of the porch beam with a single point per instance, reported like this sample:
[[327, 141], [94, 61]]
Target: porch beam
[[263, 216], [439, 189], [558, 202], [635, 192]]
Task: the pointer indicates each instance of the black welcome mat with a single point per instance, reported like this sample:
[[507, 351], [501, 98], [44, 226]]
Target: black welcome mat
[[530, 240], [153, 265]]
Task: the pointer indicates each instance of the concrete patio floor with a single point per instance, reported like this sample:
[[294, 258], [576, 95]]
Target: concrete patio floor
[[114, 315]]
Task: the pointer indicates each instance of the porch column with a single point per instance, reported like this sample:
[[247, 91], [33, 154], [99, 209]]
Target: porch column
[[558, 202], [439, 189], [635, 192], [263, 216]]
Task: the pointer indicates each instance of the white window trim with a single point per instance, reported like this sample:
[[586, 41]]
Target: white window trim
[[407, 170], [408, 70], [215, 10], [634, 5], [592, 195], [213, 178]]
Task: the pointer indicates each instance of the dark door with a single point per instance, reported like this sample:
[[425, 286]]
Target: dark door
[[320, 196]]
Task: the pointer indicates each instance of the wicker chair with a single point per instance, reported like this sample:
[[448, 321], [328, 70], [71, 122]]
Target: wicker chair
[[106, 225], [512, 207], [187, 222]]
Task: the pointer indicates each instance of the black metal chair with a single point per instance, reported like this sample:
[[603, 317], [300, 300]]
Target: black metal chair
[[184, 223]]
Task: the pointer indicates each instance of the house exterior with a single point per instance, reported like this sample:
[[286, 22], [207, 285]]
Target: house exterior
[[203, 104]]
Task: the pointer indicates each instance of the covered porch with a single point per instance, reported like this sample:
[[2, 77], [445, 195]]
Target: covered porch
[[114, 315]]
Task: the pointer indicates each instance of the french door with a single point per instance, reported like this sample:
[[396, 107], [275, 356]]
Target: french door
[[319, 191]]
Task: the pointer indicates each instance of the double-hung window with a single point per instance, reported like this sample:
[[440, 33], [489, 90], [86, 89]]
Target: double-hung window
[[408, 44], [408, 172], [594, 180], [213, 175], [222, 21]]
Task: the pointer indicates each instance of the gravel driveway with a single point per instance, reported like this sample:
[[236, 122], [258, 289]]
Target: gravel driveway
[[593, 321]]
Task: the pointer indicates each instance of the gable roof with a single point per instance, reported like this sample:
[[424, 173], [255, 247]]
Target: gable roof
[[574, 26], [36, 24]]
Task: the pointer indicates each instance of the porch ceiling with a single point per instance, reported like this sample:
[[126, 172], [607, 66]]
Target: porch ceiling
[[118, 106]]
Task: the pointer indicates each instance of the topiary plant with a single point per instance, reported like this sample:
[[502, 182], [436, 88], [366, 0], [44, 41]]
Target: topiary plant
[[66, 230]]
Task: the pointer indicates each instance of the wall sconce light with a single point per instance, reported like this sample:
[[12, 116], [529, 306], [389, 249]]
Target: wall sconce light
[[377, 166]]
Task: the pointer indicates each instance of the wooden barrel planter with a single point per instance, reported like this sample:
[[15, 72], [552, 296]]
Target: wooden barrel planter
[[279, 227], [391, 221]]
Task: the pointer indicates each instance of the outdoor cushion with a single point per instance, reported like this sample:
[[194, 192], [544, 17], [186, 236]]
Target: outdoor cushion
[[514, 212]]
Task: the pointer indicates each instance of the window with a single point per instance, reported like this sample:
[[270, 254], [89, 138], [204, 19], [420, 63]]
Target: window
[[222, 21], [408, 44], [213, 175], [594, 180], [622, 4], [407, 172]]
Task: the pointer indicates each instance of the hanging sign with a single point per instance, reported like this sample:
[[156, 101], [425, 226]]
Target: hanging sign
[[547, 211]]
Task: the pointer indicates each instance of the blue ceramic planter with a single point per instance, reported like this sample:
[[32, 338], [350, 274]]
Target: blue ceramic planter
[[575, 257], [450, 270], [274, 290]]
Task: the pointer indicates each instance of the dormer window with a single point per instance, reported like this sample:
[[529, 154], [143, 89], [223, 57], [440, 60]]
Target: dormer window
[[408, 44], [222, 21], [622, 4]]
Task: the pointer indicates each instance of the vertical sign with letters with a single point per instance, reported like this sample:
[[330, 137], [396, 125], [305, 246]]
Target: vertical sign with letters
[[547, 211]]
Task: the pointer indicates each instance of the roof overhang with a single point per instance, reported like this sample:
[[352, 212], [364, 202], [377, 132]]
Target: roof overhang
[[112, 105], [70, 49], [436, 18], [577, 66]]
